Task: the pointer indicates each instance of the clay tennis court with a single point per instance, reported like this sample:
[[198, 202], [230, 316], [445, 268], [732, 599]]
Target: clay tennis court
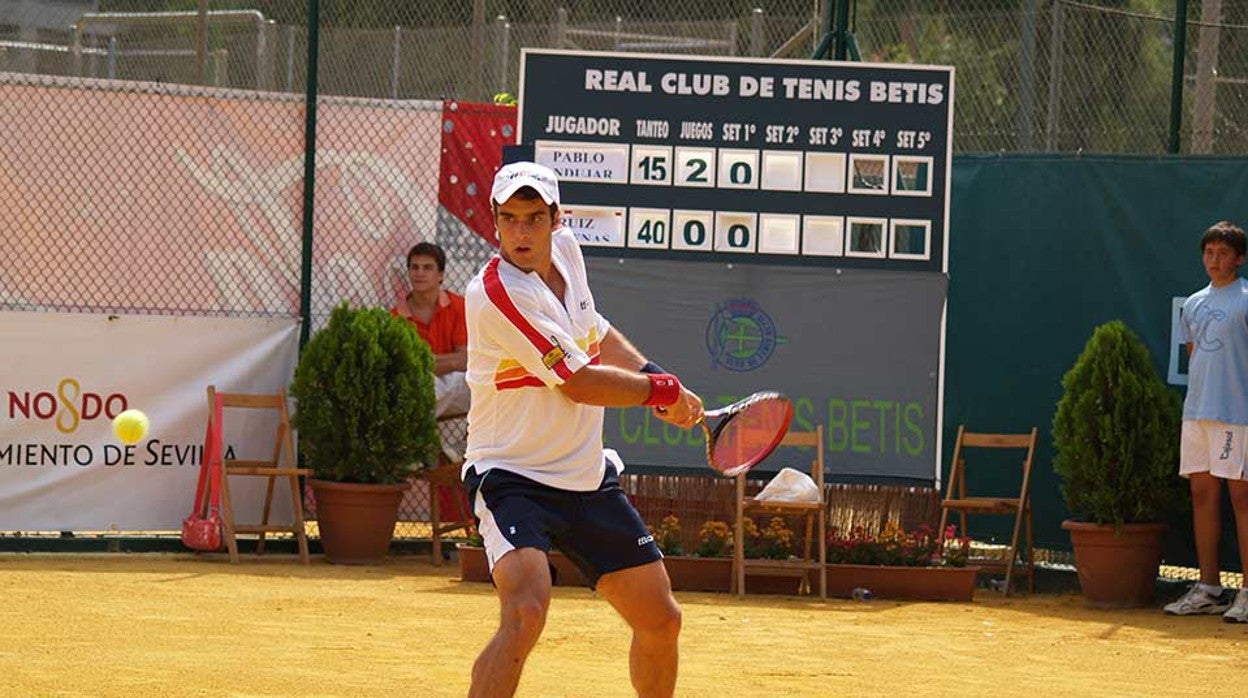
[[177, 625]]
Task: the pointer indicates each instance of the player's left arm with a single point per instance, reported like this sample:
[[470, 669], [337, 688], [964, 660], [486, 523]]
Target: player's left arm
[[616, 350]]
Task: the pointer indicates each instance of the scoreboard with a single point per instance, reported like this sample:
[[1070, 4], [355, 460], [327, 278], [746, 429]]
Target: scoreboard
[[803, 162]]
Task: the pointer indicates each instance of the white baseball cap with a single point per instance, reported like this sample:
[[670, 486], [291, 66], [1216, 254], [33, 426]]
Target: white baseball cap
[[511, 178]]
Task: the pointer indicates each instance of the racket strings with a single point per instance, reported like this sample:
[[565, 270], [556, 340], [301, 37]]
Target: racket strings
[[749, 434]]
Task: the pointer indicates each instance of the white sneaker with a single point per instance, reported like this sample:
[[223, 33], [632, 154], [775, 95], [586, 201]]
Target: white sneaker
[[1238, 612], [1196, 602]]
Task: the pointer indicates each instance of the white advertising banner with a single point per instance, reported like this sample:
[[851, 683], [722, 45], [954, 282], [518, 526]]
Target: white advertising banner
[[64, 376]]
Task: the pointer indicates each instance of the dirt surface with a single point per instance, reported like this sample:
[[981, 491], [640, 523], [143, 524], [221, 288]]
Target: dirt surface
[[176, 625]]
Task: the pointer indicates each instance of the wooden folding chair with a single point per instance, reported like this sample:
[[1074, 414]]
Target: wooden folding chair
[[271, 469], [445, 478], [815, 516], [959, 499]]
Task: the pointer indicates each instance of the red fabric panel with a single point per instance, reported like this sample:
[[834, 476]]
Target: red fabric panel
[[473, 136]]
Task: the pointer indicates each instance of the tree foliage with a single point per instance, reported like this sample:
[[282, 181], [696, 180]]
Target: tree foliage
[[364, 399], [1116, 433]]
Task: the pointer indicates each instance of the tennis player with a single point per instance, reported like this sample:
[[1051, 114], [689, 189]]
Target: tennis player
[[542, 365]]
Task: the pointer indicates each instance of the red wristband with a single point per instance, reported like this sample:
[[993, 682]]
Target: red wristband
[[664, 390]]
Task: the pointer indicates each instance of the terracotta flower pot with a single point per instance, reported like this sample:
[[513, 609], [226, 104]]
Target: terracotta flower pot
[[1117, 569], [356, 522]]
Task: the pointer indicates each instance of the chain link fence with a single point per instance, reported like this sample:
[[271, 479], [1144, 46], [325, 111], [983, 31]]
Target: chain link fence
[[1033, 75]]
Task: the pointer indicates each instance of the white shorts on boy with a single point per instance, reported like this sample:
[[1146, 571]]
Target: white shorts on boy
[[1217, 448]]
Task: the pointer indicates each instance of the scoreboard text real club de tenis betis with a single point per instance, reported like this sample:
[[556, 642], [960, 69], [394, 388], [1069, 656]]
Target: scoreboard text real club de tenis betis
[[807, 162]]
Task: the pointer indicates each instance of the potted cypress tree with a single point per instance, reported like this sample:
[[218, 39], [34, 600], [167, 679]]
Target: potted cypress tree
[[364, 412], [1116, 434]]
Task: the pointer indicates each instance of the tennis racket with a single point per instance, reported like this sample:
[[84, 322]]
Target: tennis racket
[[748, 431]]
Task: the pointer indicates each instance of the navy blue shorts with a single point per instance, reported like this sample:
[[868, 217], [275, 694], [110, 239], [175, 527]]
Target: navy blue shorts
[[599, 531]]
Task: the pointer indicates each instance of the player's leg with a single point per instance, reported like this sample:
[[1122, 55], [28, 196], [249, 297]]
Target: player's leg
[[506, 507], [1238, 612], [1239, 501], [610, 543], [522, 578], [1207, 524], [1194, 464], [643, 597], [1196, 459]]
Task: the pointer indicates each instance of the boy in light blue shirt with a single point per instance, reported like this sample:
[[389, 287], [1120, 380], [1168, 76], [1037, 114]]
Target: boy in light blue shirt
[[1214, 322]]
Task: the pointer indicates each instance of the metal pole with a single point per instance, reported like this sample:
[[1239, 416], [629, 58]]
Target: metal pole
[[290, 58], [1206, 94], [756, 32], [842, 30], [220, 67], [201, 42], [394, 62], [309, 172], [1055, 80], [112, 58], [504, 52], [75, 52], [263, 69], [477, 60], [559, 32], [1176, 80], [823, 33], [1027, 97]]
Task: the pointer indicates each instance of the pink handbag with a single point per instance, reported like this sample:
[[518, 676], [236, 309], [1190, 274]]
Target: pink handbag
[[202, 532]]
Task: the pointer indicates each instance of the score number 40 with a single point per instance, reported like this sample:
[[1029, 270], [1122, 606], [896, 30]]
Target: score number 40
[[689, 230]]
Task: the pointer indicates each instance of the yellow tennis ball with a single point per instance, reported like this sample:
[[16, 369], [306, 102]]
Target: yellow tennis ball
[[130, 426]]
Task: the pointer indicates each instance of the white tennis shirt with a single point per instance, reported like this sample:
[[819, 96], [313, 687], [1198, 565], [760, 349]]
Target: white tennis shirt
[[522, 343]]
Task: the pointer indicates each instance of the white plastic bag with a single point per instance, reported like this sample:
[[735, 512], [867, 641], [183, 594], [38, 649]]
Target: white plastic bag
[[790, 485]]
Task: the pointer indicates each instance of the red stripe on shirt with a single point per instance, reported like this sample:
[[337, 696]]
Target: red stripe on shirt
[[525, 382], [497, 293]]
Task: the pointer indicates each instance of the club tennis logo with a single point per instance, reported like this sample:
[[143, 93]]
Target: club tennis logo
[[741, 336]]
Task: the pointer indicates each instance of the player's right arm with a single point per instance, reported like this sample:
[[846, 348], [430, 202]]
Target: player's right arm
[[608, 386]]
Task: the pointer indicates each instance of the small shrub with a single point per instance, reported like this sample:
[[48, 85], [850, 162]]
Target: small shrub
[[1116, 433], [364, 399]]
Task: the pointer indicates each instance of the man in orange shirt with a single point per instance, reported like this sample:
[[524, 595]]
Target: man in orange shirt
[[438, 316]]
